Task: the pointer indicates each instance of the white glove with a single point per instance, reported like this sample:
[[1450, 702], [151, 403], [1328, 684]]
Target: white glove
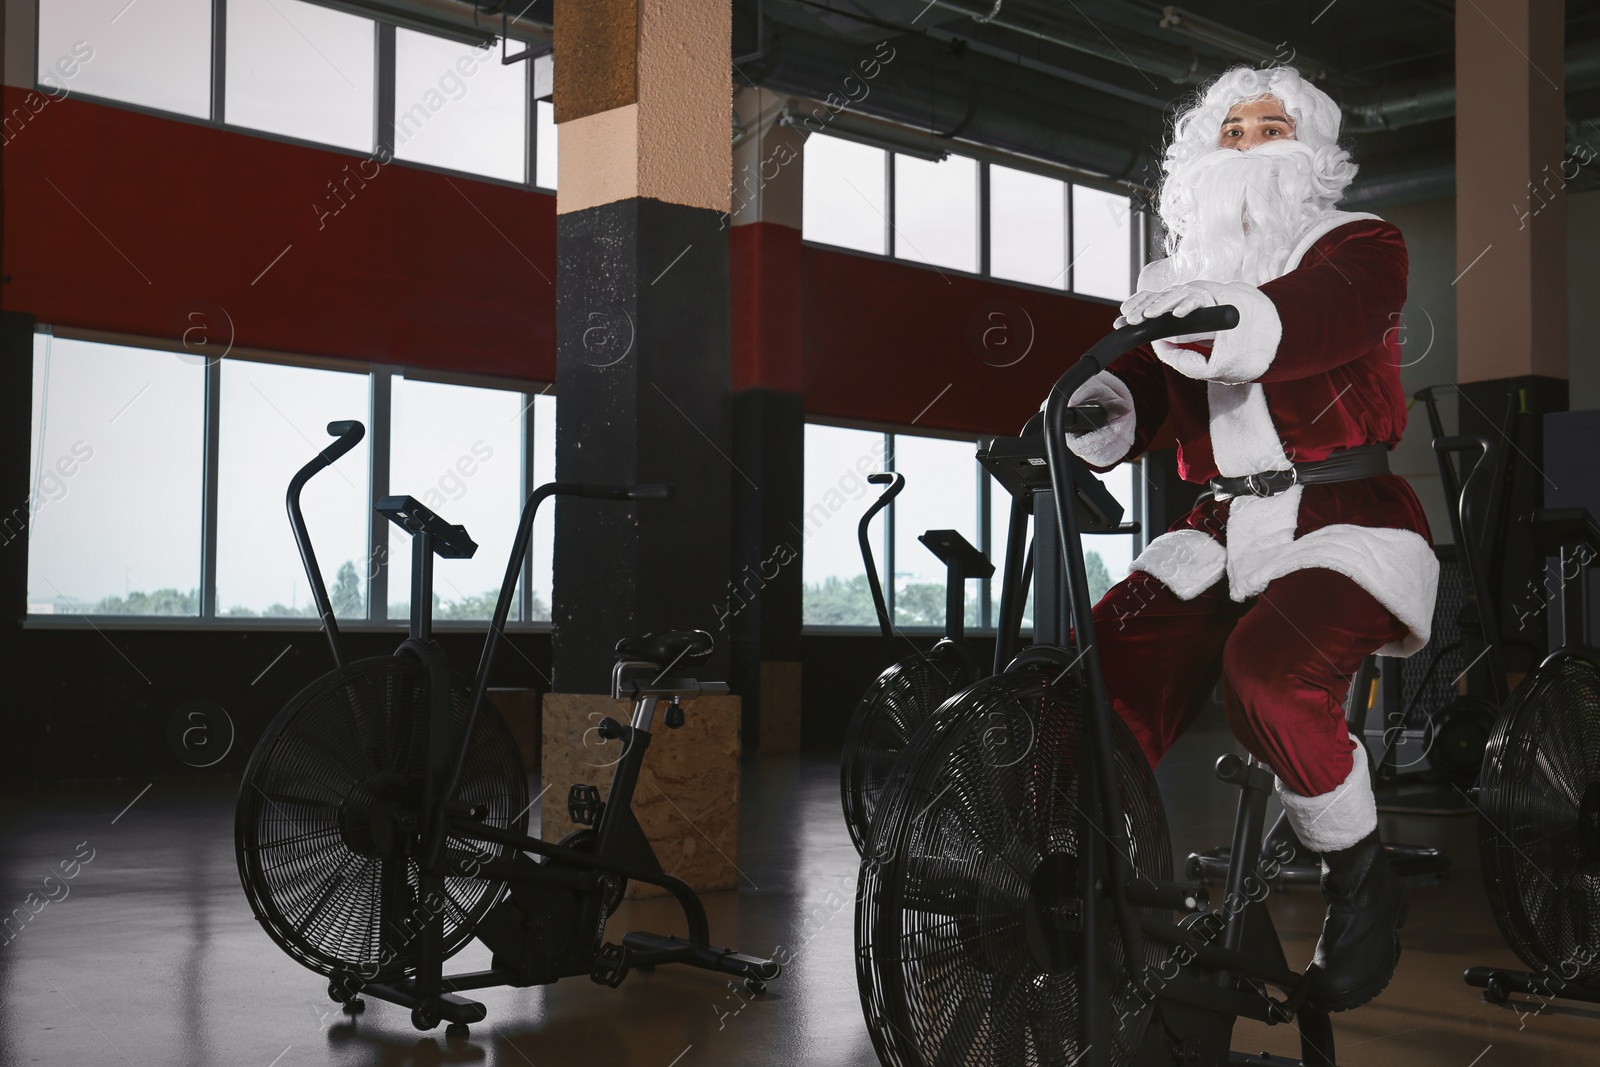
[[1108, 445], [1178, 299]]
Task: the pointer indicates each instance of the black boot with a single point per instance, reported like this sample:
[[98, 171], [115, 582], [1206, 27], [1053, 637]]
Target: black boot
[[1282, 847], [1359, 948]]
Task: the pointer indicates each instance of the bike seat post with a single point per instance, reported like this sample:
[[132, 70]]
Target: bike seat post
[[1255, 783], [644, 711]]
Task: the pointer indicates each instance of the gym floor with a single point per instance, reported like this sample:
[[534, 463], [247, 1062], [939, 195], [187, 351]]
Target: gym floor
[[153, 958]]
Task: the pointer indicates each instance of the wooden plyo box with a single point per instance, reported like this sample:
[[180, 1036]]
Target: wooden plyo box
[[687, 799]]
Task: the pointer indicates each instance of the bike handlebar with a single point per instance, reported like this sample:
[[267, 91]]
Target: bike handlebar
[[896, 482], [349, 433], [1117, 342], [618, 492]]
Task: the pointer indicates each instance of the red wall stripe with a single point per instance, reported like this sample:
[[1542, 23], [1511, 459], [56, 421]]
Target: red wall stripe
[[117, 220], [126, 222]]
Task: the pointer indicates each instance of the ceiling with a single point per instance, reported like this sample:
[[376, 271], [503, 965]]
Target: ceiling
[[1092, 84]]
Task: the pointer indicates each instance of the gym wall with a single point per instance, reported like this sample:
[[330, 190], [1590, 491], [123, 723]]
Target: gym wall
[[421, 269]]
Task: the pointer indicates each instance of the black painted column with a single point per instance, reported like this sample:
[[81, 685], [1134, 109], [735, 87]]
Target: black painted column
[[642, 97]]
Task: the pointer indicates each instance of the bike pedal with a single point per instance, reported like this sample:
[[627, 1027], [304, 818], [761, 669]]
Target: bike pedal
[[610, 965], [584, 804]]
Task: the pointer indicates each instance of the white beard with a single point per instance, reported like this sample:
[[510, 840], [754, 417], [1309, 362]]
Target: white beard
[[1235, 216]]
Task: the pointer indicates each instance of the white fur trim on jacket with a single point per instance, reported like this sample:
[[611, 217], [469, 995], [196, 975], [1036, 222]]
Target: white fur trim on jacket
[[1244, 439], [1188, 562], [1239, 355], [1107, 445], [1338, 818], [1396, 566]]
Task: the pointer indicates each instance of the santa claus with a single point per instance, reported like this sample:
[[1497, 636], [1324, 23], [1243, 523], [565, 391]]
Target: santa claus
[[1308, 555]]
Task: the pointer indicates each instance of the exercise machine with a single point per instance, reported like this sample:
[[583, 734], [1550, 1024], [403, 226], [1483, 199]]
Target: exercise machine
[[903, 697], [1538, 792], [1016, 902], [380, 824]]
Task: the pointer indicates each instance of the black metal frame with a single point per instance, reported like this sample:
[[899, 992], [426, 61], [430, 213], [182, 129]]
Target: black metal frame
[[1196, 1009], [594, 867]]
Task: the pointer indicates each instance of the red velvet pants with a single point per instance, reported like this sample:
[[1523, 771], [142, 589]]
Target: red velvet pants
[[1286, 658]]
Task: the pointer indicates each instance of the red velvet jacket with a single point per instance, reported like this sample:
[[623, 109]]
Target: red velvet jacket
[[1312, 368]]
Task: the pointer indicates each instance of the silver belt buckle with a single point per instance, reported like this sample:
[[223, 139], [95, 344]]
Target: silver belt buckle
[[1258, 485]]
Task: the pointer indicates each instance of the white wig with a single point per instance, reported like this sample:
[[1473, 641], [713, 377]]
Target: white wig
[[1316, 121]]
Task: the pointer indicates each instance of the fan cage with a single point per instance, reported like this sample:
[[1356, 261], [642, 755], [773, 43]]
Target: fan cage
[[899, 701], [352, 738], [1537, 828], [984, 813]]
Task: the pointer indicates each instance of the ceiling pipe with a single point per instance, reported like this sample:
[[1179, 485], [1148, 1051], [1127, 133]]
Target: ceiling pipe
[[1435, 98], [1188, 68], [984, 102]]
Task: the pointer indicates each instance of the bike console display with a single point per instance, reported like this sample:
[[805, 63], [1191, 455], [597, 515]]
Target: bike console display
[[449, 541]]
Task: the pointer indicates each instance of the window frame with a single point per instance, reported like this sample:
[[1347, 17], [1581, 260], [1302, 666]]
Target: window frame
[[984, 485], [378, 422], [383, 104]]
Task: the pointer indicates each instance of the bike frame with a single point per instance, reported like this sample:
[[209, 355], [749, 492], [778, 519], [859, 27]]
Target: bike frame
[[621, 850], [1195, 1007]]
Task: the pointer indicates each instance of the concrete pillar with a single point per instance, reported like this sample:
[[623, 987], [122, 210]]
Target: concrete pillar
[[1511, 212], [642, 102], [1511, 305]]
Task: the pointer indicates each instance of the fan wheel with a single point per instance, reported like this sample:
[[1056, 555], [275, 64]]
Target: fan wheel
[[968, 919], [899, 700], [1539, 830], [325, 827], [1460, 733]]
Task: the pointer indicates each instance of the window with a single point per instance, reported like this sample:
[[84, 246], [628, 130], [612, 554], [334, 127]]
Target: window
[[1027, 228], [273, 418], [151, 54], [844, 186], [114, 506], [119, 521], [458, 450], [940, 494], [308, 70], [545, 142], [1102, 244], [543, 414], [944, 490], [837, 463], [302, 70], [459, 107], [936, 211], [1042, 231]]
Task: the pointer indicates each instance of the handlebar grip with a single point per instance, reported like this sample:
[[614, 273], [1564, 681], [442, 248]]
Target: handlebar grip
[[881, 478], [1086, 417], [625, 492], [349, 433]]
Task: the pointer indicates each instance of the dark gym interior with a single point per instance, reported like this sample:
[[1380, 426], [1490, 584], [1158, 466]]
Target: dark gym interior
[[756, 251]]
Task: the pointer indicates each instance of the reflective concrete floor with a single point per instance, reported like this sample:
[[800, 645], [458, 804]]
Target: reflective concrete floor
[[152, 957]]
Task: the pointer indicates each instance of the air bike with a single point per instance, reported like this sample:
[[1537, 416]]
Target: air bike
[[380, 824], [906, 694], [1016, 901]]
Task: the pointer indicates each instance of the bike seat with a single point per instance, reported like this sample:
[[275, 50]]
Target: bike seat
[[677, 648]]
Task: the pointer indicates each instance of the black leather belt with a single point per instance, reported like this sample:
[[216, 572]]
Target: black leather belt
[[1368, 461]]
